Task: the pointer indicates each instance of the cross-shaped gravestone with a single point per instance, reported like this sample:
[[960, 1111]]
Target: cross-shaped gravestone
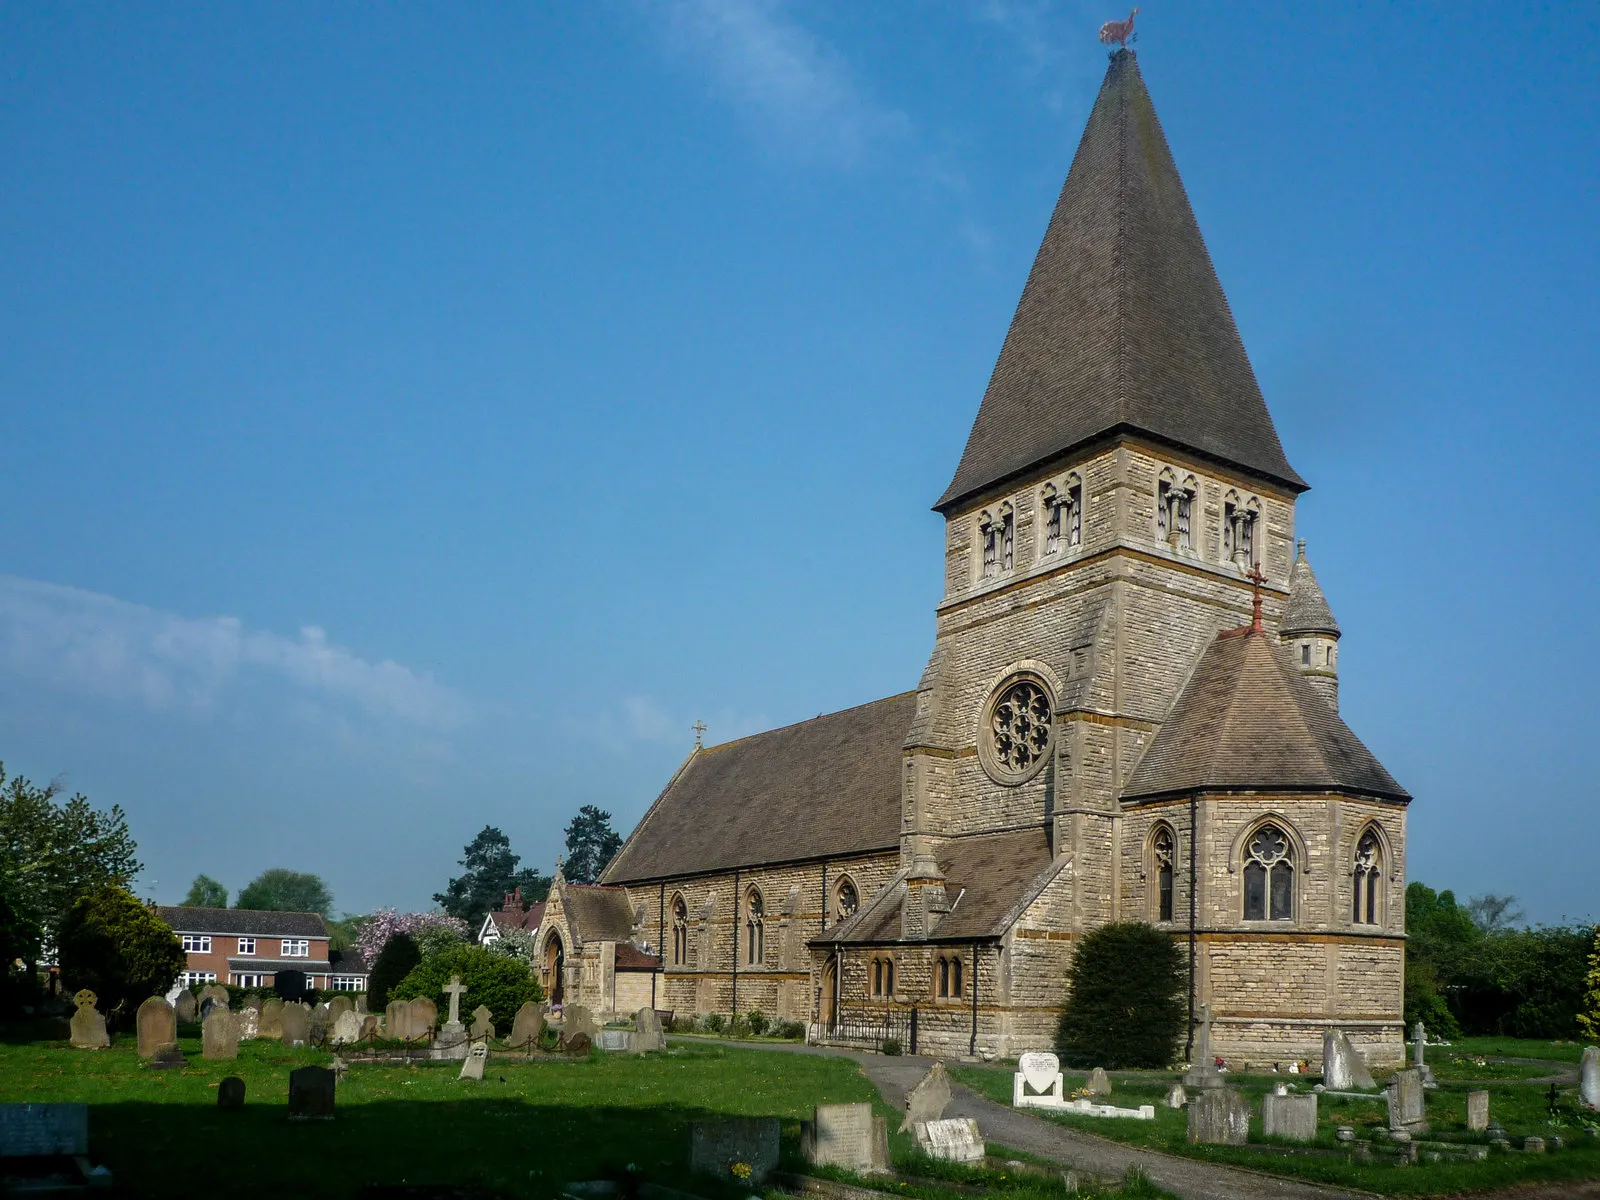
[[455, 989]]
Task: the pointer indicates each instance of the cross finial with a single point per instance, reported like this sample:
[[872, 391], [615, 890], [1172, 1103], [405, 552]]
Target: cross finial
[[699, 728], [1256, 579]]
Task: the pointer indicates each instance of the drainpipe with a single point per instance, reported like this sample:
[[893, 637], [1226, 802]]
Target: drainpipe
[[1194, 845], [661, 940], [972, 1045], [735, 999]]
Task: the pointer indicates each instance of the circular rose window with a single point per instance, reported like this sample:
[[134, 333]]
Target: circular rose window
[[1016, 734]]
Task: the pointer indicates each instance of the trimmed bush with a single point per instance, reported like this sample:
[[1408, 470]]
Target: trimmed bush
[[119, 949], [503, 984], [1126, 1007], [398, 958]]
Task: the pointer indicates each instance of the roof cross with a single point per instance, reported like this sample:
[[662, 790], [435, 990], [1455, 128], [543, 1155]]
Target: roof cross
[[1256, 579], [699, 728]]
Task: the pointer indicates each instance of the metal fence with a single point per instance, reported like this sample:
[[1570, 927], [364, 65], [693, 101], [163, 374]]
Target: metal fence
[[870, 1028]]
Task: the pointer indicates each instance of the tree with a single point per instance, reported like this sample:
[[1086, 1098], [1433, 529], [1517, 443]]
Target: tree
[[394, 962], [490, 872], [384, 923], [1126, 1006], [503, 984], [206, 892], [1495, 914], [591, 844], [279, 890], [118, 948], [1589, 1016], [52, 852]]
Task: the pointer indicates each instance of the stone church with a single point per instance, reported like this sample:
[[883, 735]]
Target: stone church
[[1130, 712]]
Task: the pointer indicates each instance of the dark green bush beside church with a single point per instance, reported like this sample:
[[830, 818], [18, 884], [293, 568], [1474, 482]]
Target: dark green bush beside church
[[1127, 1006]]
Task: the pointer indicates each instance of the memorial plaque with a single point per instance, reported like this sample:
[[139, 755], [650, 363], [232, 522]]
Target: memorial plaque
[[717, 1147], [847, 1136], [43, 1130]]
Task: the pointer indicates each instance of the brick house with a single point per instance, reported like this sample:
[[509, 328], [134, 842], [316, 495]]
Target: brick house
[[247, 948], [514, 913]]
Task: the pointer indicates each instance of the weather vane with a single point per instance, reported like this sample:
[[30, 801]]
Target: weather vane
[[1118, 31], [1256, 579]]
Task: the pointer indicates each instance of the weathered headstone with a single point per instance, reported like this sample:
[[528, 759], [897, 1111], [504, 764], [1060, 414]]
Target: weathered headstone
[[219, 1034], [230, 1093], [1099, 1083], [1343, 1066], [156, 1025], [1533, 1145], [847, 1136], [928, 1099], [1293, 1118], [424, 1016], [1038, 1080], [717, 1147], [249, 1020], [1176, 1096], [296, 1025], [1478, 1111], [346, 1029], [338, 1005], [397, 1020], [371, 1026], [647, 1034], [576, 1019], [578, 1045], [168, 1058], [472, 1067], [616, 1040], [528, 1026], [1589, 1077], [311, 1094], [1419, 1041], [1219, 1117], [1407, 1109], [43, 1130], [1203, 1071], [271, 1018], [482, 1022], [88, 1024], [954, 1140], [213, 994], [186, 1007]]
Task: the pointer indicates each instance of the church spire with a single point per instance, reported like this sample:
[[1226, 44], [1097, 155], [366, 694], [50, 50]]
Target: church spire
[[1122, 324]]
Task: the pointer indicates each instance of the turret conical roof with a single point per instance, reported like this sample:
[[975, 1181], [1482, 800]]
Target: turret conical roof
[[1122, 324], [1307, 609]]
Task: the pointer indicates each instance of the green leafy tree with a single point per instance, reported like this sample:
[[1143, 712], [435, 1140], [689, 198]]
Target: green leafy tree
[[18, 941], [1126, 1006], [1589, 1016], [395, 961], [206, 892], [118, 948], [279, 890], [503, 984], [490, 871], [1495, 914], [591, 844], [53, 851]]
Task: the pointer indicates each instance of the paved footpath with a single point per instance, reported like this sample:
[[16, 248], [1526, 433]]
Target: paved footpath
[[1043, 1138]]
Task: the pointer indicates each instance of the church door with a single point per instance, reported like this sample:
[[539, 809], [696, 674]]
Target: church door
[[830, 993]]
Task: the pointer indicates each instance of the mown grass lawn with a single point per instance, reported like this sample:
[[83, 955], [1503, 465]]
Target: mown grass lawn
[[1521, 1108]]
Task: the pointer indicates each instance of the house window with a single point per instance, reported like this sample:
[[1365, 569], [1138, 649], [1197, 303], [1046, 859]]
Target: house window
[[1269, 876], [883, 976], [194, 943], [245, 980], [1052, 517], [1367, 879], [247, 945], [846, 899], [1162, 847], [680, 931], [949, 978], [755, 927], [990, 534], [188, 977], [348, 983], [296, 948]]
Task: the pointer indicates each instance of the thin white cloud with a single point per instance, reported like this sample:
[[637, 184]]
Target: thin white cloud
[[796, 90], [92, 644], [649, 721], [1050, 38]]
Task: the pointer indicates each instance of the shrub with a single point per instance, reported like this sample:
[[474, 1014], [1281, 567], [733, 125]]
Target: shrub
[[1589, 1015], [891, 1047], [793, 1030], [1125, 1008], [437, 938], [715, 1022], [118, 948], [398, 958], [757, 1021], [502, 984]]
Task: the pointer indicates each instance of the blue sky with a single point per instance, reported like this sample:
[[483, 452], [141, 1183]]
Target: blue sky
[[415, 417]]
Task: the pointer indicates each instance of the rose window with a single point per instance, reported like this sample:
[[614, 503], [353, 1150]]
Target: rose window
[[1018, 736]]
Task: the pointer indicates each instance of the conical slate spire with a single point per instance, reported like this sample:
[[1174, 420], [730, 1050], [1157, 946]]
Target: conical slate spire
[[1307, 609], [1122, 324]]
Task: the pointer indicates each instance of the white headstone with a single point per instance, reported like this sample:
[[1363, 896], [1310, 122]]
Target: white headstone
[[1589, 1077], [472, 1068], [1037, 1082], [1176, 1096], [346, 1028], [455, 989], [955, 1139], [1343, 1067]]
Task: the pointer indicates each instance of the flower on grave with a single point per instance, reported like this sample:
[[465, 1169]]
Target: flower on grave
[[740, 1170]]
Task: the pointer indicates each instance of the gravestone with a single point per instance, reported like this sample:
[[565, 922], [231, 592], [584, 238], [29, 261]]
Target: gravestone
[[1203, 1071], [472, 1068], [249, 1021], [578, 1045], [647, 1033], [88, 1025], [186, 1007], [1293, 1118], [1037, 1081], [929, 1098], [1343, 1066], [215, 992], [1533, 1145], [230, 1093], [1407, 1109], [397, 1020], [482, 1022], [616, 1040], [1176, 1096], [311, 1094], [338, 1005], [528, 1026], [168, 1058], [321, 1021], [1478, 1111], [219, 1034], [847, 1136], [272, 1018], [346, 1029], [1589, 1077], [43, 1130], [424, 1016], [1099, 1083], [716, 1147], [1419, 1041], [453, 1033], [371, 1026], [156, 1025], [954, 1140], [576, 1019], [296, 1025], [253, 1002], [1219, 1117]]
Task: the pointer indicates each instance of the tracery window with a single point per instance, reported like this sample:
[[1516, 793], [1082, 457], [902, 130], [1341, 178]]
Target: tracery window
[[1017, 738], [883, 976], [1269, 876], [1163, 850], [755, 927], [989, 532], [680, 931], [1052, 516], [949, 977], [1367, 880], [1074, 506], [846, 899], [1239, 530], [1008, 535]]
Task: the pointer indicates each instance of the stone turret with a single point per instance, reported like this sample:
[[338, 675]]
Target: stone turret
[[1309, 630]]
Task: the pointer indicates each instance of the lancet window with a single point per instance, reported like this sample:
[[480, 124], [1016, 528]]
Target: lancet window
[[680, 932], [883, 976], [949, 977], [755, 927], [989, 534], [1163, 852], [1269, 876], [1367, 881], [846, 899], [1008, 536]]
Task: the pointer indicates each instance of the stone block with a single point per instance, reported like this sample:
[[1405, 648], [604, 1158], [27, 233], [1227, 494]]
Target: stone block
[[1478, 1111], [1219, 1117]]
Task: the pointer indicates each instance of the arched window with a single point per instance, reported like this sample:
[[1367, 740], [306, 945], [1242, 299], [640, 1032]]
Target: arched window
[[950, 977], [1163, 852], [1051, 501], [846, 899], [883, 976], [680, 931], [1269, 876], [989, 534], [1074, 506], [1366, 906], [1008, 535], [755, 926]]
